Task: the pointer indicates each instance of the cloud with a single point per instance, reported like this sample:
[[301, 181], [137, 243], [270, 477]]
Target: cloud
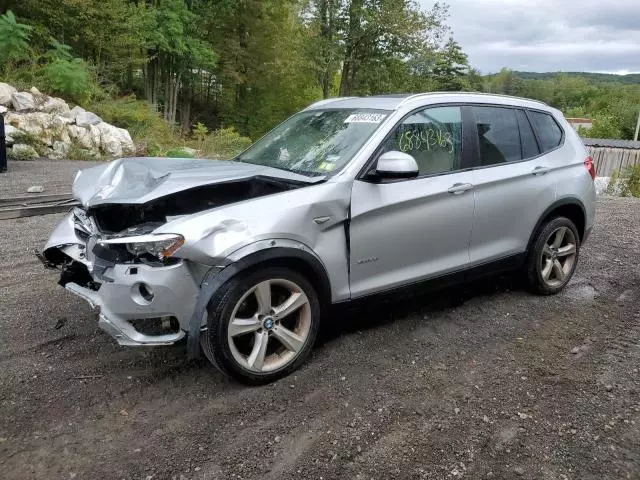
[[548, 35]]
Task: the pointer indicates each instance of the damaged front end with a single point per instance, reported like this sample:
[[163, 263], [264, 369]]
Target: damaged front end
[[109, 253], [143, 293]]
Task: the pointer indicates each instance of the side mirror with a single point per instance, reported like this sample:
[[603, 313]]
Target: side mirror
[[396, 165]]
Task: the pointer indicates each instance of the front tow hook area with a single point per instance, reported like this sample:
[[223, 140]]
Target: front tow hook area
[[47, 264]]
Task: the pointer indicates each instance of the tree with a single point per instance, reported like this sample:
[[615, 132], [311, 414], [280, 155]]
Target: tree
[[381, 33], [502, 82], [175, 51], [65, 75], [323, 43], [14, 40], [451, 68], [604, 126]]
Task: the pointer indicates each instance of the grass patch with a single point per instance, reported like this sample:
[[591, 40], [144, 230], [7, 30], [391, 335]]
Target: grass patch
[[224, 143], [180, 152]]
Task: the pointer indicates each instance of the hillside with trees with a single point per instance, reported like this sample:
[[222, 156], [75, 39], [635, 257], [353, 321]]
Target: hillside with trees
[[214, 73], [612, 101]]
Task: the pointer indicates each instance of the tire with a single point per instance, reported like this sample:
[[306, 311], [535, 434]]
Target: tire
[[553, 256], [266, 351]]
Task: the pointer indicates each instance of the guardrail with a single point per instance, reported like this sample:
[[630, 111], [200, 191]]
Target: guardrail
[[30, 205]]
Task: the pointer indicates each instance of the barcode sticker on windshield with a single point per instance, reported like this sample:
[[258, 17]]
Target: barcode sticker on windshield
[[365, 118]]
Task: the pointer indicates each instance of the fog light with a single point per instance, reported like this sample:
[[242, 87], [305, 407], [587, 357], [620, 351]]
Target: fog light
[[142, 294]]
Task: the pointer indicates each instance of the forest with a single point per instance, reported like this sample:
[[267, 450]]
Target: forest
[[221, 72]]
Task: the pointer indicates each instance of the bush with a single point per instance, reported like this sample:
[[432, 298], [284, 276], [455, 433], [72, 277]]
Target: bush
[[224, 143], [69, 78], [77, 152], [14, 41], [625, 183], [30, 139], [146, 127], [180, 152]]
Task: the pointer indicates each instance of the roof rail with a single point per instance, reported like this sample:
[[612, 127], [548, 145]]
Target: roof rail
[[326, 101], [428, 94]]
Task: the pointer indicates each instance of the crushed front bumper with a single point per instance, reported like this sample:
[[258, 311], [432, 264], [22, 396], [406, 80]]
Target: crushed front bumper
[[139, 292], [130, 296]]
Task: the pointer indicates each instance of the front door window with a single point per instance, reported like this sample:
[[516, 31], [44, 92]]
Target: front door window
[[433, 137]]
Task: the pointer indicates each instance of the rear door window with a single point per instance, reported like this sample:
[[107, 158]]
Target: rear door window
[[548, 131], [498, 135], [527, 138]]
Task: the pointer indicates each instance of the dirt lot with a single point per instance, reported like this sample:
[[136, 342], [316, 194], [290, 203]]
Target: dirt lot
[[485, 381]]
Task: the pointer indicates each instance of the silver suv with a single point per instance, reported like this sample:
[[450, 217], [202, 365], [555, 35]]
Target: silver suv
[[350, 198]]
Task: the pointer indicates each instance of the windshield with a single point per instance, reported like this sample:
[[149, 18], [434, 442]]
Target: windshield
[[315, 142]]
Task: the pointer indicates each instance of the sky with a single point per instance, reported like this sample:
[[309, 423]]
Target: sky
[[548, 35]]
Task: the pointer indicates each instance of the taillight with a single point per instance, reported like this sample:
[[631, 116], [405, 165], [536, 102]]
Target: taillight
[[590, 167]]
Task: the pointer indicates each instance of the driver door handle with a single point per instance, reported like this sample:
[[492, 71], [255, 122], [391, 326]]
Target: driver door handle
[[458, 188], [540, 170]]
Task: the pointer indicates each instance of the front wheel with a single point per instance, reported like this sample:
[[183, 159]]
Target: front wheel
[[553, 257], [262, 325]]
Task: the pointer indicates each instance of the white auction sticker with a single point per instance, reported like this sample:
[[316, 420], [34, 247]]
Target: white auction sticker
[[365, 118]]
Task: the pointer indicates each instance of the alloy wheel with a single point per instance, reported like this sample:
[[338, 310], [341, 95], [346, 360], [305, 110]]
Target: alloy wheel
[[269, 325], [558, 256]]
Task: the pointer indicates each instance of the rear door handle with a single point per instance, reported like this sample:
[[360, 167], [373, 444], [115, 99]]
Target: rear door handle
[[458, 188], [540, 170]]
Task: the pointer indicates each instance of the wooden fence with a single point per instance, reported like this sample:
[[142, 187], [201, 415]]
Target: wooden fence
[[608, 159]]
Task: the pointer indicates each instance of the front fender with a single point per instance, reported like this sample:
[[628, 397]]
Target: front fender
[[246, 258], [63, 234]]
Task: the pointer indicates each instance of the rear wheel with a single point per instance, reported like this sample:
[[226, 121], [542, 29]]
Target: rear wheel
[[553, 257], [262, 325]]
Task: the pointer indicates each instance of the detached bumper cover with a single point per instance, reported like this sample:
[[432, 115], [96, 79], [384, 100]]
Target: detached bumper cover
[[119, 300], [125, 293], [118, 327]]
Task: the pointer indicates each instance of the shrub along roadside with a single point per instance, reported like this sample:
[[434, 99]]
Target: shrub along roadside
[[155, 138], [625, 182]]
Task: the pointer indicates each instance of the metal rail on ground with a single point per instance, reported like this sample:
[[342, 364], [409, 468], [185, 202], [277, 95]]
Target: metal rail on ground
[[31, 205]]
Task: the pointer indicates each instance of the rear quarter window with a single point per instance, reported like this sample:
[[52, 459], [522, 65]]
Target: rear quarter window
[[547, 129]]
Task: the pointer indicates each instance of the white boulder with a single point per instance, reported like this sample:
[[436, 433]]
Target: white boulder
[[22, 151], [9, 132], [55, 127], [95, 135], [75, 111], [60, 150], [54, 105], [23, 101], [115, 141], [83, 137], [34, 123], [6, 91], [84, 119]]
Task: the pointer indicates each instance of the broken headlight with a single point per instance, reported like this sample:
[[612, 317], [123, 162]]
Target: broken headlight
[[161, 245]]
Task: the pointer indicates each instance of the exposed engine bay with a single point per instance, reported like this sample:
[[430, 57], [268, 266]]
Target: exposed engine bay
[[123, 219], [86, 263]]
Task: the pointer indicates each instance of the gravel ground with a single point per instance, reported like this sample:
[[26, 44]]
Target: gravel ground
[[54, 175], [482, 381]]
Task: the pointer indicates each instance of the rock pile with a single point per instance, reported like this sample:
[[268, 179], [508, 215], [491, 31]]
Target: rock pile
[[37, 125]]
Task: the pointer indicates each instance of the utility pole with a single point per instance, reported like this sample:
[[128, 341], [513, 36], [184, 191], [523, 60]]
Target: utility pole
[[635, 137]]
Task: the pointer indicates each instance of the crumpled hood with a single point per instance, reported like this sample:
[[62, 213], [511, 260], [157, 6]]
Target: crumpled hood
[[139, 180]]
